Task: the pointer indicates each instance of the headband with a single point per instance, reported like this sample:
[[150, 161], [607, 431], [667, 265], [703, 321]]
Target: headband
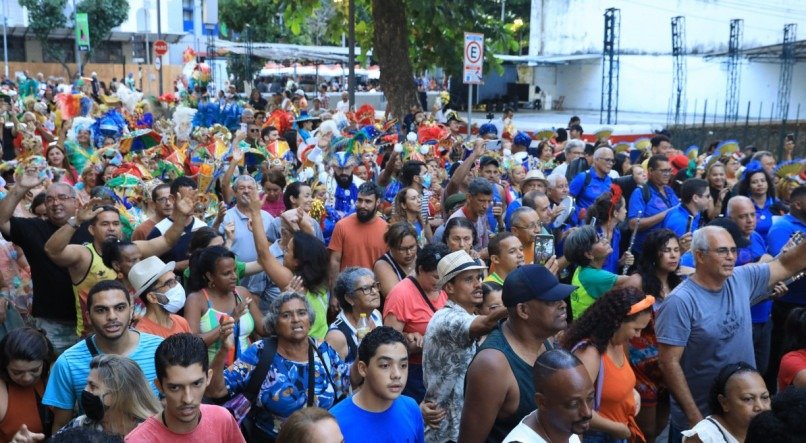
[[641, 305]]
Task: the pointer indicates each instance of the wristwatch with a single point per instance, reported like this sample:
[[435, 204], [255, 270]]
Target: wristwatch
[[73, 222]]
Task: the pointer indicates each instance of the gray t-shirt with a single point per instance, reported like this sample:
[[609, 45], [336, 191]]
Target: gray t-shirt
[[714, 327]]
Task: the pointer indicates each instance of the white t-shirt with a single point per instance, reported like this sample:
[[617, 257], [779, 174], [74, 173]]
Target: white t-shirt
[[710, 431], [524, 434]]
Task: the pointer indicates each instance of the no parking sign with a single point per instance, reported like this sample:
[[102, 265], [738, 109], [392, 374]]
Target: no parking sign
[[474, 58]]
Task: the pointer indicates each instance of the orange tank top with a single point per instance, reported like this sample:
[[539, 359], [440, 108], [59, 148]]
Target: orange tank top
[[23, 411], [618, 403]]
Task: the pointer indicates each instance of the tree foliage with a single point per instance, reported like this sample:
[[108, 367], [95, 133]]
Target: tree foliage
[[44, 16]]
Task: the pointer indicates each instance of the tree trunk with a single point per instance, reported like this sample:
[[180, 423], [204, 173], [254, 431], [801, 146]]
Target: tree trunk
[[391, 50]]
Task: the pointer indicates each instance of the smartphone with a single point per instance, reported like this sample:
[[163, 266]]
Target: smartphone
[[493, 145], [544, 248]]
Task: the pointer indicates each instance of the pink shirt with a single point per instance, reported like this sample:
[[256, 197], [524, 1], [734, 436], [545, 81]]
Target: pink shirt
[[406, 303], [216, 425]]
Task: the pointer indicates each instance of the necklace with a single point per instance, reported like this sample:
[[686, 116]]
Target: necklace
[[545, 433]]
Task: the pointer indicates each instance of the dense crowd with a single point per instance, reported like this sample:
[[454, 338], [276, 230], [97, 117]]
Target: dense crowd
[[214, 268]]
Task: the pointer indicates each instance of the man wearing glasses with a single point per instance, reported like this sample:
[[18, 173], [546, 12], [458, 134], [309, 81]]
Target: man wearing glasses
[[588, 185], [705, 322], [155, 283], [649, 205], [53, 304]]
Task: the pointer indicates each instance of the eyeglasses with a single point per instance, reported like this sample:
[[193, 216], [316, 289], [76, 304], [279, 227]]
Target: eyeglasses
[[61, 198], [722, 252], [608, 160], [368, 290], [665, 171], [168, 284], [531, 227], [412, 248], [163, 200]]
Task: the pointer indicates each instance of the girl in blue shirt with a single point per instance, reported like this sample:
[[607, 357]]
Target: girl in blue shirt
[[758, 185]]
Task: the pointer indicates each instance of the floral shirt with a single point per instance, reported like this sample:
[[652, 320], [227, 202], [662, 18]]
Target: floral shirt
[[285, 388], [447, 352]]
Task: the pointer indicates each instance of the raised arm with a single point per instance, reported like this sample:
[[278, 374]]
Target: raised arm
[[226, 181], [276, 271], [464, 169], [788, 264], [386, 175], [58, 246], [29, 180], [483, 324], [162, 244]]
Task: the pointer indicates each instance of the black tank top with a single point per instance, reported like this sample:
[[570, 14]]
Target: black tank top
[[387, 257], [523, 376]]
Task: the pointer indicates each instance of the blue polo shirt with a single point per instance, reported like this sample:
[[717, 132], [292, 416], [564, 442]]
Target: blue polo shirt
[[586, 197], [657, 203], [611, 262], [777, 237], [764, 217], [677, 220], [752, 254]]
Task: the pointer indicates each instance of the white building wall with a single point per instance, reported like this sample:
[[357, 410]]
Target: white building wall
[[577, 26], [646, 85]]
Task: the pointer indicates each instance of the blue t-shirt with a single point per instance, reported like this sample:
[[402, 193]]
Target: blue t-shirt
[[402, 422], [511, 208], [611, 262], [677, 220], [777, 237], [713, 327], [764, 216], [657, 203], [68, 376], [586, 197]]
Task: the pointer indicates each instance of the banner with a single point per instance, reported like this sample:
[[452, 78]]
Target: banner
[[82, 31]]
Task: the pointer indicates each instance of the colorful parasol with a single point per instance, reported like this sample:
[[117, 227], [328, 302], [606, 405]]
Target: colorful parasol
[[544, 134], [140, 140]]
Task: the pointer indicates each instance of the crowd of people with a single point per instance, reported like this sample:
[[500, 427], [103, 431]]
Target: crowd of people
[[196, 268]]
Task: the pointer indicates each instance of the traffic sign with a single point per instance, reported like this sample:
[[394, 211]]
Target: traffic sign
[[474, 58], [160, 47], [157, 63]]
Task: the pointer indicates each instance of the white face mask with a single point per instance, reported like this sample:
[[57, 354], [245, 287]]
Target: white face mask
[[176, 299]]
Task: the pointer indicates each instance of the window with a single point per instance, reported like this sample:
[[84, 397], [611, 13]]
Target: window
[[62, 48], [187, 15], [16, 49], [108, 52]]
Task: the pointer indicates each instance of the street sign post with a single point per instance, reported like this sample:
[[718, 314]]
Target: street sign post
[[157, 63], [83, 31], [160, 48], [473, 68]]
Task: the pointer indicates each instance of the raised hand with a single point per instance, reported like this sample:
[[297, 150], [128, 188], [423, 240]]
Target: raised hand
[[185, 204], [31, 177], [295, 285], [89, 210]]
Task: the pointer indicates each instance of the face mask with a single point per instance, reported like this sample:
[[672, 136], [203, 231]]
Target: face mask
[[93, 406], [176, 299], [427, 181]]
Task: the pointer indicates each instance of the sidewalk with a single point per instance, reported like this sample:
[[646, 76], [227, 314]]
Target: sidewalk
[[628, 122]]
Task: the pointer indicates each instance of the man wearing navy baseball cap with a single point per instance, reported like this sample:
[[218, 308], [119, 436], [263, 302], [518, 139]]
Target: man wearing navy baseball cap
[[535, 301]]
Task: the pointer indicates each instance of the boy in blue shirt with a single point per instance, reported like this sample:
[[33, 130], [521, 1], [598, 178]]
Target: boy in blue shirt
[[378, 411]]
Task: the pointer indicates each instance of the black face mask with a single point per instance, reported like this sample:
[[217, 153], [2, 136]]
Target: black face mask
[[93, 406]]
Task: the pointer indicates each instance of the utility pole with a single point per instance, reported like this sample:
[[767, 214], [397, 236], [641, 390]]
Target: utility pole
[[78, 53], [351, 74], [159, 37]]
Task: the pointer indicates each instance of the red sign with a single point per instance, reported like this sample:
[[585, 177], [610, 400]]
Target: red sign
[[160, 47]]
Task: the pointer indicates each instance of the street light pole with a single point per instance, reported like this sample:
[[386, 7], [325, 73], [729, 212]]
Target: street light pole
[[159, 37], [78, 53], [5, 41], [351, 75]]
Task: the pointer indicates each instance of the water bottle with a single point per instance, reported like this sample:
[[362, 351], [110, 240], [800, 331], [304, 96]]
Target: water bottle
[[362, 329]]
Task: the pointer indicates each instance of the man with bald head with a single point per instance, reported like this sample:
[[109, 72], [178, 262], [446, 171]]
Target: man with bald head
[[705, 322], [742, 211], [564, 394], [53, 304]]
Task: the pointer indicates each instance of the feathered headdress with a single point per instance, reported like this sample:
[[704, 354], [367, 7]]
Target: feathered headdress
[[73, 105], [283, 121], [183, 122], [81, 124]]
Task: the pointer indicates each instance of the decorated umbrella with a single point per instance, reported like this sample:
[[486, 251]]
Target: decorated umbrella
[[544, 134], [140, 140]]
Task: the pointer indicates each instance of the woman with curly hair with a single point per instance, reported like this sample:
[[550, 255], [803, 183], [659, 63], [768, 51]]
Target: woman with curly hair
[[598, 338], [759, 186], [658, 264], [609, 210]]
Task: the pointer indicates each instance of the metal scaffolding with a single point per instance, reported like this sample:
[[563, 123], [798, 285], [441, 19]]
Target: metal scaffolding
[[679, 64], [211, 50], [610, 67], [787, 63], [734, 74]]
